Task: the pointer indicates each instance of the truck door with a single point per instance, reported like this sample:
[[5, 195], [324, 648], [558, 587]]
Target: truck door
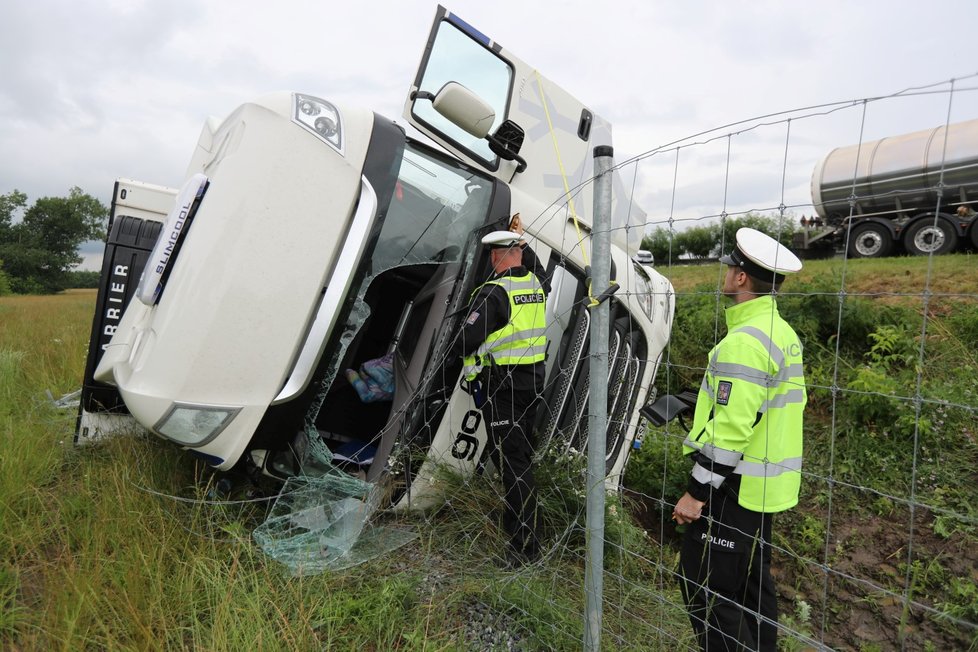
[[559, 133]]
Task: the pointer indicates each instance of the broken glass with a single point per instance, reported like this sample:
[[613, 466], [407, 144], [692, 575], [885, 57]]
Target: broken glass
[[322, 519]]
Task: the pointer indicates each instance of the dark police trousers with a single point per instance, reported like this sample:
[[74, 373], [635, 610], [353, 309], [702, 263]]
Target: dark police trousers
[[509, 417], [725, 577]]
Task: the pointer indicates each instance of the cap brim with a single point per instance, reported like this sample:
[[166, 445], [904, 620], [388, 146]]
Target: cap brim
[[501, 239], [728, 260]]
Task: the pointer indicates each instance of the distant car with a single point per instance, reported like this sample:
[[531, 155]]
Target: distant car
[[644, 257]]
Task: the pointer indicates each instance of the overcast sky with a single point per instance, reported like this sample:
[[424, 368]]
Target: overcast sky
[[92, 90]]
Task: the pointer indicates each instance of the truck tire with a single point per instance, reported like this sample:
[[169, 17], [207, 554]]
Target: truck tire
[[870, 240], [974, 234], [927, 236]]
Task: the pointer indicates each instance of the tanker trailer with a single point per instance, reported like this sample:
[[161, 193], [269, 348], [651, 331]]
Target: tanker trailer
[[915, 192]]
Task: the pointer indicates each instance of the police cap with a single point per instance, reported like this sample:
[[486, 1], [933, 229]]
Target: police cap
[[502, 239], [761, 256]]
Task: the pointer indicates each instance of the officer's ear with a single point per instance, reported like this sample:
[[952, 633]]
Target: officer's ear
[[742, 278]]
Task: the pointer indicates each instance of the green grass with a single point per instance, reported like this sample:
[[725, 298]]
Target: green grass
[[113, 546], [953, 275]]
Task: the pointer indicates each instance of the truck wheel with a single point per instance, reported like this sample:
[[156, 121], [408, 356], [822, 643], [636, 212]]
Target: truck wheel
[[927, 236], [870, 240], [974, 234]]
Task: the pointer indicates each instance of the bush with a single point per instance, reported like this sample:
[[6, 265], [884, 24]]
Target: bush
[[83, 279], [4, 282], [963, 324], [779, 227], [699, 241], [698, 313], [658, 469], [42, 247], [708, 241]]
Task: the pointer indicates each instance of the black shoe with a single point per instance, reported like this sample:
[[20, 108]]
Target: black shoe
[[514, 560], [531, 551], [518, 558]]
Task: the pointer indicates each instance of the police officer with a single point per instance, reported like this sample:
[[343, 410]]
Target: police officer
[[504, 346], [746, 448]]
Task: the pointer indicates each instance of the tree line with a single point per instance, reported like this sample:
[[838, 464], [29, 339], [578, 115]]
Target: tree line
[[708, 240], [38, 252]]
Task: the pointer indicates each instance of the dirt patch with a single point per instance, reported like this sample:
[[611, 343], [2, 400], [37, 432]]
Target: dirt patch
[[882, 585], [887, 583]]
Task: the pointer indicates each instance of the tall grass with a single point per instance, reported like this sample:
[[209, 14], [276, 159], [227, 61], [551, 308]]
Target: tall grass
[[115, 546], [112, 547]]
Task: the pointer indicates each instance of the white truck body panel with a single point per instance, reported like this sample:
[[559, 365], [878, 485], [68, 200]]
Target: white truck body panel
[[149, 203]]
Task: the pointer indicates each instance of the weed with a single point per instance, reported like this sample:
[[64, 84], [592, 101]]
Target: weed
[[882, 506], [962, 599], [809, 535], [800, 626], [11, 611]]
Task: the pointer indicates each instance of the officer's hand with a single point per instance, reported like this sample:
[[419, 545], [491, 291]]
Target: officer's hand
[[516, 224], [687, 510]]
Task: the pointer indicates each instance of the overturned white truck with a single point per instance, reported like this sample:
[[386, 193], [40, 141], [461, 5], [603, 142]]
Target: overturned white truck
[[311, 237]]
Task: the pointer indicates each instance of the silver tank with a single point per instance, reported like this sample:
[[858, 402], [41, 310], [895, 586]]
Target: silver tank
[[900, 173]]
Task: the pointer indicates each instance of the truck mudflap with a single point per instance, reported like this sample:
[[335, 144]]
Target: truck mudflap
[[128, 245]]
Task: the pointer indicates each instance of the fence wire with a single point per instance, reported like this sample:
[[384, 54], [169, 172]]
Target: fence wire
[[907, 588], [881, 551]]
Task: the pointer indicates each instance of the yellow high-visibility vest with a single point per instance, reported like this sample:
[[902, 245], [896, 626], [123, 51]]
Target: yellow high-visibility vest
[[522, 340]]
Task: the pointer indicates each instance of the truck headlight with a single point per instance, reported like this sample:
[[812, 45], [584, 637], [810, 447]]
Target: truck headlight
[[194, 425], [320, 117], [643, 291]]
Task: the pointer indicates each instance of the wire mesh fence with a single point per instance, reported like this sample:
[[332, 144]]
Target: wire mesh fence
[[880, 551]]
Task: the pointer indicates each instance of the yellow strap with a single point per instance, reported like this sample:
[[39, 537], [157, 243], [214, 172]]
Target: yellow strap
[[563, 176]]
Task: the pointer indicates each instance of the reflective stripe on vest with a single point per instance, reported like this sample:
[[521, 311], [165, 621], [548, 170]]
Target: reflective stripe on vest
[[712, 452], [522, 340]]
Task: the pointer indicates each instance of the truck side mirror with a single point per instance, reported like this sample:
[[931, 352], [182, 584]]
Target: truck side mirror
[[507, 142], [461, 107], [668, 407]]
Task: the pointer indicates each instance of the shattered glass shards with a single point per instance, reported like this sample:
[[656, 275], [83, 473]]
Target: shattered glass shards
[[322, 520]]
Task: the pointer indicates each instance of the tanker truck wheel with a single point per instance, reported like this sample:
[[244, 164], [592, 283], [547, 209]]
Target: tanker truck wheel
[[925, 236], [974, 234], [870, 240]]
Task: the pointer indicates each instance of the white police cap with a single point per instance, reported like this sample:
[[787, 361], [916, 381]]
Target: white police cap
[[761, 256], [502, 239]]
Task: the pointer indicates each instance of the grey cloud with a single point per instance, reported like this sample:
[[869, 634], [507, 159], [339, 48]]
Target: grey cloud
[[92, 90]]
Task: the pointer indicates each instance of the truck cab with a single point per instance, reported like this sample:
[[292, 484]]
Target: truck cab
[[311, 238]]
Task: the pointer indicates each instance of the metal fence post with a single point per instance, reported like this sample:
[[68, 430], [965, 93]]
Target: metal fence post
[[598, 398]]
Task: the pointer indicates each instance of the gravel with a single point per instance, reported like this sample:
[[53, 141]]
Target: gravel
[[487, 629]]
